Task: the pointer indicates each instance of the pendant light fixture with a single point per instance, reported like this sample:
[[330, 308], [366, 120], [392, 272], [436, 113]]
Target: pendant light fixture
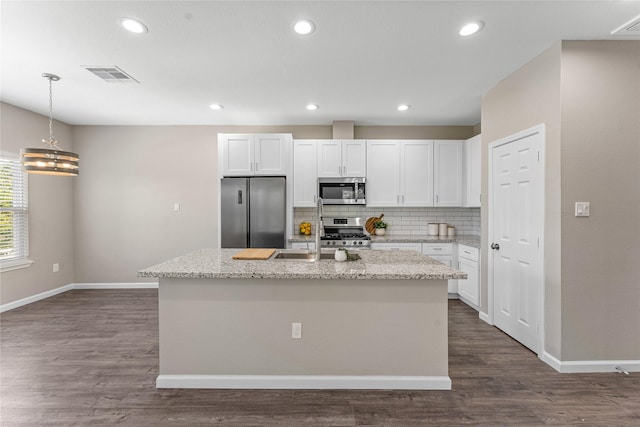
[[51, 160]]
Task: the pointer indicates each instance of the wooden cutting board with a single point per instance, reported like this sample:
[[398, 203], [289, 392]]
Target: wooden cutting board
[[369, 224], [254, 254]]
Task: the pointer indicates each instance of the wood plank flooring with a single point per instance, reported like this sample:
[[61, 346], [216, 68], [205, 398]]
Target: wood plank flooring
[[90, 357]]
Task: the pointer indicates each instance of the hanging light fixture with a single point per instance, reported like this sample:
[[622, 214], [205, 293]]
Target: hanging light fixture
[[51, 160]]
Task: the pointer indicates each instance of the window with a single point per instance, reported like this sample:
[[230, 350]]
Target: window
[[14, 214]]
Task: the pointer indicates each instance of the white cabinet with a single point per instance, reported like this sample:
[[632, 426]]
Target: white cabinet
[[442, 252], [400, 173], [305, 173], [469, 262], [261, 154], [341, 158], [397, 246], [472, 161], [447, 178]]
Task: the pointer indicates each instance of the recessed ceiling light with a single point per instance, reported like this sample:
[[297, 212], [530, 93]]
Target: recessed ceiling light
[[471, 28], [134, 26], [312, 107], [216, 106], [304, 27], [403, 107]]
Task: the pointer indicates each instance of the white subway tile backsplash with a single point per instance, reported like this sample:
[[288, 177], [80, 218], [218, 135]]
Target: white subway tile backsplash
[[412, 221]]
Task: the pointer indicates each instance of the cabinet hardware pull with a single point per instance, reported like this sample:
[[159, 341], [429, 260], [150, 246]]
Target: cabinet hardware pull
[[495, 246], [256, 166], [397, 199], [403, 198], [239, 197], [436, 198]]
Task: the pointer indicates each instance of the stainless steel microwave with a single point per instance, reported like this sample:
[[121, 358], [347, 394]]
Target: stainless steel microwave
[[342, 191]]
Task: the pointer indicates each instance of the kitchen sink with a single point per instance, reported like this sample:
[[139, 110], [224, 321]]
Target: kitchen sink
[[306, 256]]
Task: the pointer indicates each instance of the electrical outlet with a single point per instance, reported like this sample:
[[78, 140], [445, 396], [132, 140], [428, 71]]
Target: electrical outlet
[[56, 267], [296, 330]]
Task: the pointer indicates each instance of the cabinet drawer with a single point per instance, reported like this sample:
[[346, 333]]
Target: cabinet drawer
[[397, 246], [468, 252], [437, 248]]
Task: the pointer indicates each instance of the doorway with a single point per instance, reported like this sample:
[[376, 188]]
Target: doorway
[[516, 229]]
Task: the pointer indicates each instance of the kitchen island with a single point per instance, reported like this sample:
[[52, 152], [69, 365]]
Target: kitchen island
[[376, 323]]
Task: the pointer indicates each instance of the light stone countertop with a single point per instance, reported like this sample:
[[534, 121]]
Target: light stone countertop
[[384, 265], [463, 239]]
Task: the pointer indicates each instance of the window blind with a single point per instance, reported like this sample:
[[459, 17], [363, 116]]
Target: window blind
[[14, 215]]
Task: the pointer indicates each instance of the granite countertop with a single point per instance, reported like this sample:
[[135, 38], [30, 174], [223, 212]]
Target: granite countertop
[[463, 239], [374, 264]]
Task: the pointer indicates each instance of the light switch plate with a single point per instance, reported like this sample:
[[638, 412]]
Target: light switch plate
[[583, 208]]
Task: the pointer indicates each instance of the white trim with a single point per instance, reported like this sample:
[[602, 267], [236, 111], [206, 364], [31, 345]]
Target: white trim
[[485, 317], [14, 264], [71, 286], [115, 285], [369, 382], [537, 129], [34, 298], [590, 366]]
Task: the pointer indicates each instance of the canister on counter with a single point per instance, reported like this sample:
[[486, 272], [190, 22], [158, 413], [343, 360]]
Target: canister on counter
[[432, 229], [451, 231], [443, 228]]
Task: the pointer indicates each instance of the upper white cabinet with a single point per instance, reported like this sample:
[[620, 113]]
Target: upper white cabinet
[[447, 180], [305, 173], [248, 154], [341, 158], [472, 159], [400, 173]]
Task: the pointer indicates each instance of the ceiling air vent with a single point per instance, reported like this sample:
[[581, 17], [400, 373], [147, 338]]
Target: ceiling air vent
[[111, 74], [631, 28]]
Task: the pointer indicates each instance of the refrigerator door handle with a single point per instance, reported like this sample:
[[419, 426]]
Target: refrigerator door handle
[[239, 197]]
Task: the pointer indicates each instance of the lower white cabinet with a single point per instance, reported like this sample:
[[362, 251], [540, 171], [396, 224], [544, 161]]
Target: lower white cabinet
[[442, 252], [469, 262], [397, 246]]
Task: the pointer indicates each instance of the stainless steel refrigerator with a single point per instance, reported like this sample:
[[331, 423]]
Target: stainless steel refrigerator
[[253, 212]]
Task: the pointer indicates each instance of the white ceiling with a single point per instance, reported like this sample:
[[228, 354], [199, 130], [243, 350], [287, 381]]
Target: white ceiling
[[364, 58]]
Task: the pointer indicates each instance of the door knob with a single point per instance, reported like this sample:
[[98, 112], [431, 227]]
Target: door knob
[[495, 246]]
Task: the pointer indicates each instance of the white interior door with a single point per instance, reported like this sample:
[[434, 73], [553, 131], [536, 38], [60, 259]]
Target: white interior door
[[515, 233]]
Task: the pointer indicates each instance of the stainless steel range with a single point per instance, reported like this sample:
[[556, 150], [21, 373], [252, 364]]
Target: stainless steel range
[[344, 232]]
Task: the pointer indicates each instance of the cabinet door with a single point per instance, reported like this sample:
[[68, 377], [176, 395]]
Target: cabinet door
[[238, 156], [472, 154], [270, 154], [447, 173], [383, 182], [416, 173], [305, 173], [329, 158], [354, 158], [469, 288], [452, 285]]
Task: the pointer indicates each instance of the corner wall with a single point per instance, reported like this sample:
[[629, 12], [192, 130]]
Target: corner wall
[[528, 97], [51, 215]]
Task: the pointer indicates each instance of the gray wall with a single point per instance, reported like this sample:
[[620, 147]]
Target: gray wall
[[51, 212], [588, 95], [601, 164]]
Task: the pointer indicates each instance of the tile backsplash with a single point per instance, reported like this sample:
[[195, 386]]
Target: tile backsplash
[[402, 221]]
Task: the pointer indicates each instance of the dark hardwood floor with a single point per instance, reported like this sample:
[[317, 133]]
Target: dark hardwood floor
[[90, 357]]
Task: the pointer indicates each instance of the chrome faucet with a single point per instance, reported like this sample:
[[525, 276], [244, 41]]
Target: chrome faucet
[[319, 228]]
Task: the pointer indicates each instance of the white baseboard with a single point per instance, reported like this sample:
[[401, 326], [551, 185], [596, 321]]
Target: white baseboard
[[485, 317], [34, 298], [318, 382], [590, 366], [71, 286], [115, 285]]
